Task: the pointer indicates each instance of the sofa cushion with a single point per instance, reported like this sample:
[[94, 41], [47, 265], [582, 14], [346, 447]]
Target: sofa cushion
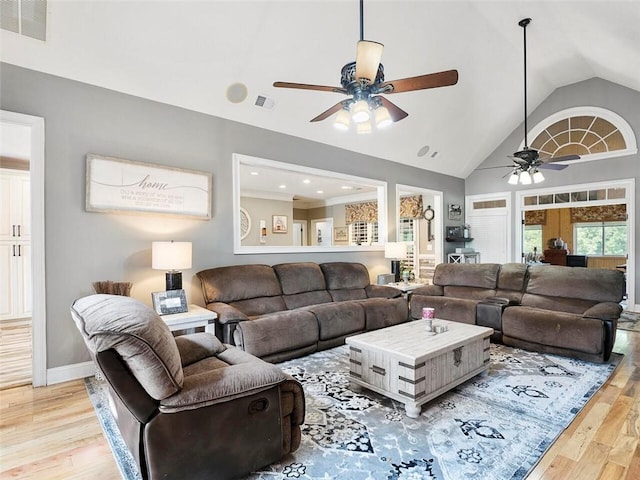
[[278, 332], [381, 313], [345, 275], [512, 276], [553, 328], [306, 298], [594, 284], [238, 282], [560, 304], [482, 275], [348, 294], [137, 334], [448, 308], [299, 277], [469, 293], [253, 307], [337, 319]]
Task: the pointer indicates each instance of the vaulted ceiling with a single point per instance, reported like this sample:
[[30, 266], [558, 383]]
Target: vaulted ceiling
[[188, 53]]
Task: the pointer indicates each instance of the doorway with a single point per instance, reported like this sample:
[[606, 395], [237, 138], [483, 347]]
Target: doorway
[[28, 133], [424, 235]]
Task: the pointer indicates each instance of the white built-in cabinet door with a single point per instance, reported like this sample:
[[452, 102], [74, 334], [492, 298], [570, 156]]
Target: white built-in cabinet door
[[15, 245]]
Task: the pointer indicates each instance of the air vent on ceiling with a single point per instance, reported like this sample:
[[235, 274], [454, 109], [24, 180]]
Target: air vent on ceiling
[[25, 17], [264, 102]]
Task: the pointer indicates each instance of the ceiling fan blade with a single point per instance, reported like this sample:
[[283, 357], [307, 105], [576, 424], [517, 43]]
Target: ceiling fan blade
[[552, 166], [497, 166], [305, 86], [421, 82], [327, 113], [395, 112], [368, 57], [564, 158]]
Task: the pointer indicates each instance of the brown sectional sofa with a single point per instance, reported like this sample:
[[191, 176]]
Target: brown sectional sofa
[[292, 309], [570, 311]]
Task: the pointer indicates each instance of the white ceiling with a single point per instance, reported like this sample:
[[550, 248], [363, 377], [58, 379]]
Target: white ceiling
[[187, 53]]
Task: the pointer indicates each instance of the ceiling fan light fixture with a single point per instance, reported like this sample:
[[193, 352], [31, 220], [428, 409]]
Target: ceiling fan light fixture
[[538, 176], [383, 117], [525, 178], [360, 112], [513, 178], [368, 56], [364, 128], [343, 120]]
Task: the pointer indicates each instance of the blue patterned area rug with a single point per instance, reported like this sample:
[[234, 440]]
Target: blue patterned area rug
[[495, 426]]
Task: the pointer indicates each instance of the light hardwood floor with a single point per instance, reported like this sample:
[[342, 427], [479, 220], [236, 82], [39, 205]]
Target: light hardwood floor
[[15, 353], [52, 432]]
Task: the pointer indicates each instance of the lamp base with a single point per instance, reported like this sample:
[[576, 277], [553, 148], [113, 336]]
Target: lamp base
[[395, 269], [173, 280]]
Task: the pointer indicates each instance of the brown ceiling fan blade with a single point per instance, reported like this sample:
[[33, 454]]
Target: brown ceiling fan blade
[[305, 86], [421, 82], [395, 111], [327, 113]]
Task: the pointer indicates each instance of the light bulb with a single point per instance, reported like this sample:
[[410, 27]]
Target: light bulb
[[383, 118], [538, 176], [360, 111], [513, 178], [342, 121], [525, 178]]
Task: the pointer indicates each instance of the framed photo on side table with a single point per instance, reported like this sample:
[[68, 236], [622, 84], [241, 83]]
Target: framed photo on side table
[[170, 301]]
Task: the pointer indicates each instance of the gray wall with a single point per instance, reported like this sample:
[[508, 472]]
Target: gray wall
[[593, 92], [83, 247]]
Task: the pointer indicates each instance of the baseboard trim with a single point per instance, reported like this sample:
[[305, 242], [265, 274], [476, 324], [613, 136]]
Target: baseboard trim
[[70, 372]]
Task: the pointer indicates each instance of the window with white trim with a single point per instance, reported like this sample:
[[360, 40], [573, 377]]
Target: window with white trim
[[363, 233], [601, 238]]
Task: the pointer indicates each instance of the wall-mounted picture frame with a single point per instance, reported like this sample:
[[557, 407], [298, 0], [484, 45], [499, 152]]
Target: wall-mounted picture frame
[[455, 211], [454, 232], [279, 224], [169, 302], [115, 185], [340, 234]]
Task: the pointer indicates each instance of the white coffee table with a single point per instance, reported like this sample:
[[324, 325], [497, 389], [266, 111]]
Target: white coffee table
[[407, 364]]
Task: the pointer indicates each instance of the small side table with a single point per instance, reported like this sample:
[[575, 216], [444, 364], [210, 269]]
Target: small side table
[[406, 288], [468, 257], [195, 317]]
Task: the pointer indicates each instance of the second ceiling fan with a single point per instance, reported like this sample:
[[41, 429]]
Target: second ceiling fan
[[363, 81]]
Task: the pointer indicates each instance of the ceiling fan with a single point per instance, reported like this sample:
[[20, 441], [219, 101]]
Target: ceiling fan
[[363, 81], [527, 162]]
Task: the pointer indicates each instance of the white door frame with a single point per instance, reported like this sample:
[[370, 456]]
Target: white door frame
[[36, 170], [486, 197], [628, 184]]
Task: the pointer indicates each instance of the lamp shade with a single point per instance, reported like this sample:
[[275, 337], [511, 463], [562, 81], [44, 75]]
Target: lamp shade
[[170, 255], [368, 57], [395, 250], [360, 111]]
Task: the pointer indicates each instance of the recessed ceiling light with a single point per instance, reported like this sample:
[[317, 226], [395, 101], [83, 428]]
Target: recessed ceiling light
[[306, 180], [346, 187], [423, 151], [237, 92], [282, 186], [255, 173], [319, 191]]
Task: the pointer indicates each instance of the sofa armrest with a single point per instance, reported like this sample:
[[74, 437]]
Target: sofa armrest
[[383, 291], [604, 311], [500, 301], [227, 313], [197, 346], [429, 291], [222, 385]]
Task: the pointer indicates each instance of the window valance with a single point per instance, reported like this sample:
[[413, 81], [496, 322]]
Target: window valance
[[361, 212], [411, 206], [535, 217], [600, 213]]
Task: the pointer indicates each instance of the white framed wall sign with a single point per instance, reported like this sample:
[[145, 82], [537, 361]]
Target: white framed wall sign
[[123, 186]]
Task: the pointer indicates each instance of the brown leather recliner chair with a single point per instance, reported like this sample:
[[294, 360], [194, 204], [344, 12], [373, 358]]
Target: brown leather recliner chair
[[189, 406]]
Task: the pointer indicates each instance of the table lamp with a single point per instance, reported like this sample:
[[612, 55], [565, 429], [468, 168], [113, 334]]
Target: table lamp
[[171, 256], [396, 251]]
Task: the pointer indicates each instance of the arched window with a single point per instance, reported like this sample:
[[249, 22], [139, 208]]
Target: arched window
[[593, 133]]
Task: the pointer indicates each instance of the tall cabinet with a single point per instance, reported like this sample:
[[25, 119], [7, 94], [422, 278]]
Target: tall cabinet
[[15, 245]]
